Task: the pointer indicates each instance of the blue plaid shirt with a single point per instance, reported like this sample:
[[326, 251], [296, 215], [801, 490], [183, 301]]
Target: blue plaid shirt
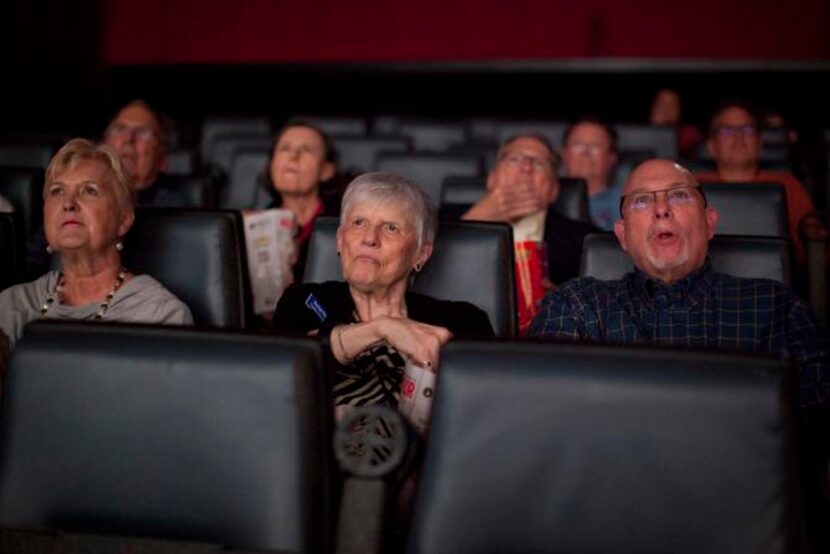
[[706, 310]]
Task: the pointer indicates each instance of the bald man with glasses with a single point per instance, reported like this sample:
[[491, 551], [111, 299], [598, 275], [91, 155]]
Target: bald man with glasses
[[674, 297]]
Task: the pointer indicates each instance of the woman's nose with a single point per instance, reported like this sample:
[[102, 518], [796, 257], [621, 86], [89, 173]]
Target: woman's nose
[[370, 236], [70, 201]]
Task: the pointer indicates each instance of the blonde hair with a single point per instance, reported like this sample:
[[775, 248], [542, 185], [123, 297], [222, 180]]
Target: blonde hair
[[78, 150]]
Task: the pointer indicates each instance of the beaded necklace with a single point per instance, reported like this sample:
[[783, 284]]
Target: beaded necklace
[[102, 309]]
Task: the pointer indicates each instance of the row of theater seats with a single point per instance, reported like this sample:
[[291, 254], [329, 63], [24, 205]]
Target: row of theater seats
[[226, 168], [200, 256], [148, 439], [23, 187], [765, 202], [427, 151]]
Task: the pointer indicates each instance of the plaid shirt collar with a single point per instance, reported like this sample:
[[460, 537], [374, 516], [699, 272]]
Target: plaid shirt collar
[[689, 290]]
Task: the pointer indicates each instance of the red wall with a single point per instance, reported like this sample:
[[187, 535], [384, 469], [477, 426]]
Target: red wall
[[272, 31]]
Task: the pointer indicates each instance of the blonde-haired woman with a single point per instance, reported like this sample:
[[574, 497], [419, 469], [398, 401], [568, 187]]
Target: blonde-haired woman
[[87, 211]]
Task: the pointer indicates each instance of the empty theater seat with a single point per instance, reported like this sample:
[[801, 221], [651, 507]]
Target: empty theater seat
[[433, 136], [430, 169], [12, 245], [165, 433], [212, 126], [539, 447], [334, 125], [757, 209], [357, 154], [243, 190], [660, 141], [472, 261], [199, 255], [24, 189]]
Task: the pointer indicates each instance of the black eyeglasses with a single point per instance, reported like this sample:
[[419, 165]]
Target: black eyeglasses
[[734, 130]]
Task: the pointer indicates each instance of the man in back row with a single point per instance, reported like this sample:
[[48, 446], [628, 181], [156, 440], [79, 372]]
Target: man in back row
[[673, 297], [521, 190], [735, 145], [589, 151], [141, 139]]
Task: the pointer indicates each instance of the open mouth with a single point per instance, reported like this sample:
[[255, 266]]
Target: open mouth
[[664, 236]]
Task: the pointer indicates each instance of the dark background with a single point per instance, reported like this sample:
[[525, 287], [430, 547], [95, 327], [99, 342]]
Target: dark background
[[67, 66]]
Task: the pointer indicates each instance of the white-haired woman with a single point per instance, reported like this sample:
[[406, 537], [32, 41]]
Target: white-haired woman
[[371, 322], [87, 210]]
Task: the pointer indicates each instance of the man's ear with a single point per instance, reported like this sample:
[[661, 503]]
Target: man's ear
[[327, 171], [619, 231], [491, 180], [712, 217], [710, 147]]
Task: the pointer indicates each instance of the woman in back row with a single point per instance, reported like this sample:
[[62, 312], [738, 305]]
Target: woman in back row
[[302, 161]]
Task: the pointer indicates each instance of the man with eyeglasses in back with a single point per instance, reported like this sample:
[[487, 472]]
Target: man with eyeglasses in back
[[521, 190], [674, 297], [141, 138], [735, 144]]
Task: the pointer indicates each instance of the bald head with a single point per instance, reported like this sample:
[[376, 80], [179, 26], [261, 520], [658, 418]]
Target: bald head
[[660, 170], [665, 224]]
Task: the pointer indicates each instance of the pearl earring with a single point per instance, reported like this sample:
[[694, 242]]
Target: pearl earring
[[119, 246]]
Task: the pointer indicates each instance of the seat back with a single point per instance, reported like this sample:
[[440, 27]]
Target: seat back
[[572, 201], [28, 152], [24, 189], [357, 154], [169, 433], [12, 246], [181, 161], [241, 125], [241, 191], [758, 209], [754, 257], [336, 125], [199, 255], [553, 130], [433, 136], [193, 190], [472, 261], [430, 169], [661, 141], [542, 447], [226, 145]]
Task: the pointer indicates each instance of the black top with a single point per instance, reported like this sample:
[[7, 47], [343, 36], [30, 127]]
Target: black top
[[563, 236], [374, 376]]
